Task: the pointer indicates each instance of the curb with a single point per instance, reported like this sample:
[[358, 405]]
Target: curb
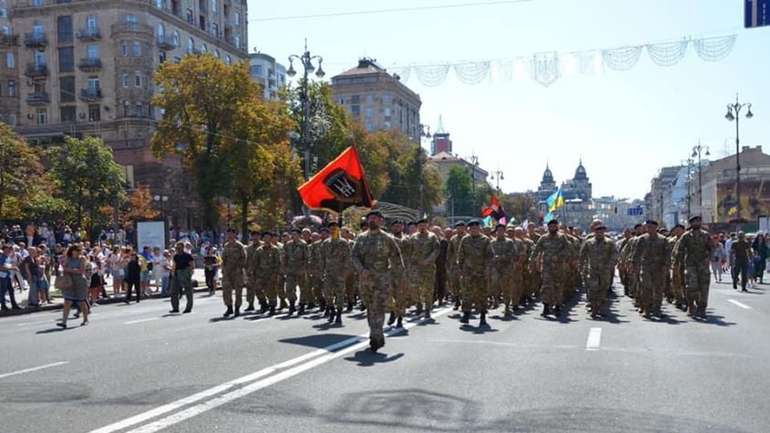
[[59, 306]]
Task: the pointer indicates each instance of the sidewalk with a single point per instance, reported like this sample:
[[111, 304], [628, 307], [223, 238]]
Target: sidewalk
[[21, 297]]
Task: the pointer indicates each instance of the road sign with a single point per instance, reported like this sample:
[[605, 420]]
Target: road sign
[[756, 13]]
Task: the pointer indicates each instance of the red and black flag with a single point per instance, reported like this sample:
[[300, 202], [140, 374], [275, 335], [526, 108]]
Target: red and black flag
[[495, 210], [339, 185]]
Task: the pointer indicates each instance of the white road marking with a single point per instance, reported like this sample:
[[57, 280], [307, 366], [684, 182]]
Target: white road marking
[[29, 370], [328, 353], [740, 304], [149, 319], [594, 339]]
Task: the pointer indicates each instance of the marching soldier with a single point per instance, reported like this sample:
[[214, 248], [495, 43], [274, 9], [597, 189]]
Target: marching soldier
[[269, 265], [526, 276], [295, 261], [399, 299], [314, 276], [551, 254], [597, 265], [453, 271], [674, 279], [375, 257], [424, 248], [473, 258], [693, 253], [233, 263], [651, 264], [335, 257], [252, 274], [502, 251]]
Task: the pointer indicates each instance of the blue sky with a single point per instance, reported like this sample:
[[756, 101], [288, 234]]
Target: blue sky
[[625, 125]]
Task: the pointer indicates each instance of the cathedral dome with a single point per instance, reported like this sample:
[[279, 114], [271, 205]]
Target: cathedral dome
[[580, 172], [547, 175]]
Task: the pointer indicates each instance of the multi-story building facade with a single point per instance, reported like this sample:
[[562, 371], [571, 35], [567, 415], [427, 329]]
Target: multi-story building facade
[[267, 72], [85, 67], [378, 99]]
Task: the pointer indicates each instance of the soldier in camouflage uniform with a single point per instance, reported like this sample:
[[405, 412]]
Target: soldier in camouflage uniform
[[424, 247], [375, 257], [673, 290], [252, 275], [473, 259], [296, 256], [314, 274], [268, 263], [535, 276], [335, 256], [621, 245], [453, 271], [351, 282], [627, 261], [597, 265], [552, 254], [233, 264], [693, 253], [571, 275], [503, 256], [651, 264], [399, 299], [281, 288], [526, 275]]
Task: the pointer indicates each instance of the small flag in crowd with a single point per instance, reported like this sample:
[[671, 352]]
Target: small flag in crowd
[[495, 211], [555, 200], [339, 185]]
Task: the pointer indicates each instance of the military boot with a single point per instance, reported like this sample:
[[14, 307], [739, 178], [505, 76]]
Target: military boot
[[508, 314], [331, 313], [466, 317], [291, 309], [272, 310], [283, 304], [419, 309], [264, 308], [228, 313], [301, 310], [250, 307], [338, 319], [546, 310], [457, 304], [400, 322], [427, 313], [392, 319], [237, 312], [483, 321]]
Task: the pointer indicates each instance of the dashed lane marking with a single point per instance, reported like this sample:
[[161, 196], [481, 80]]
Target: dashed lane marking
[[594, 339], [29, 370], [740, 304]]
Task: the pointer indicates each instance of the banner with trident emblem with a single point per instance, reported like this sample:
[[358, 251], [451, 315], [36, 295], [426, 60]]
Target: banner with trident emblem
[[339, 185]]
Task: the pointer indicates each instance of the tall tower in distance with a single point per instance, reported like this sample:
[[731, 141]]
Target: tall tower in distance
[[441, 141]]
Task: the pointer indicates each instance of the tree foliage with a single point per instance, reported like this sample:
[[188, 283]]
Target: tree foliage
[[140, 205], [459, 192]]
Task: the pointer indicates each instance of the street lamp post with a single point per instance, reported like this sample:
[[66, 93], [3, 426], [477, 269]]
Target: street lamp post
[[161, 199], [698, 151], [498, 176], [306, 61], [734, 113]]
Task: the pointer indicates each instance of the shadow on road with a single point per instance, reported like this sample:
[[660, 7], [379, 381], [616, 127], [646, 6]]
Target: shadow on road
[[366, 358], [318, 340]]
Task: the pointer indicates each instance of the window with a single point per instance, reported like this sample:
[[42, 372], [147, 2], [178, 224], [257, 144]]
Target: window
[[11, 88], [64, 28], [92, 24], [4, 12], [124, 80], [126, 109], [66, 89], [10, 60], [215, 29], [190, 45], [190, 16], [175, 39], [162, 57], [161, 32], [228, 60], [93, 84], [124, 48], [237, 41], [6, 30], [66, 59], [37, 2], [237, 19], [67, 114], [38, 87], [132, 19], [214, 6], [37, 29], [139, 109], [138, 79], [160, 4], [92, 51], [42, 116], [136, 49], [256, 70], [40, 58], [94, 113]]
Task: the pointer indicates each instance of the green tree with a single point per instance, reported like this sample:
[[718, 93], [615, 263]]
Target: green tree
[[140, 205], [459, 192], [413, 182], [202, 99], [88, 178]]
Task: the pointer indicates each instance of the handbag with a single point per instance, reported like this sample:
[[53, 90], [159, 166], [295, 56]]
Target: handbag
[[63, 282]]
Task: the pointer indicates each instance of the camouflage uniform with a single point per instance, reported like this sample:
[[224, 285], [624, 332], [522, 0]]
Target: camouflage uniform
[[527, 277], [503, 253], [652, 264], [400, 299], [597, 265], [473, 258], [552, 252], [677, 275], [233, 264], [424, 250], [453, 271], [375, 256], [335, 264], [252, 276], [694, 252], [669, 287], [315, 274], [268, 261], [296, 256]]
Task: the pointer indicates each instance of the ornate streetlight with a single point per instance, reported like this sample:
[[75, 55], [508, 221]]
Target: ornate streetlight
[[734, 113], [306, 61]]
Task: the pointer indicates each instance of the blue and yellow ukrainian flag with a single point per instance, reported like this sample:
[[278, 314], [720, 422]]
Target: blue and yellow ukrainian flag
[[555, 200]]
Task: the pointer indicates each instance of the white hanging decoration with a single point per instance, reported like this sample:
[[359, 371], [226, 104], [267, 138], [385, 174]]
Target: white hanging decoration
[[403, 72], [716, 48], [544, 68], [503, 71], [432, 75], [667, 54], [472, 73], [586, 61], [568, 64], [622, 59]]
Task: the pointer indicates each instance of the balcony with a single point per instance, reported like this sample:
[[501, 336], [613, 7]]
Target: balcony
[[35, 40], [90, 94], [38, 98], [36, 71], [7, 40], [165, 43], [90, 65], [89, 35], [135, 28]]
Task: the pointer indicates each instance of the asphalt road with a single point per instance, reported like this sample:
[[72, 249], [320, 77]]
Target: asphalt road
[[137, 369]]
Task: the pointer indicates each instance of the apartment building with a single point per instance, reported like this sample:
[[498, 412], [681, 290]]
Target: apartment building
[[85, 67], [267, 72]]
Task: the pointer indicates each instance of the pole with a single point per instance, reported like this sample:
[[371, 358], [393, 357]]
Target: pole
[[700, 180], [737, 165]]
